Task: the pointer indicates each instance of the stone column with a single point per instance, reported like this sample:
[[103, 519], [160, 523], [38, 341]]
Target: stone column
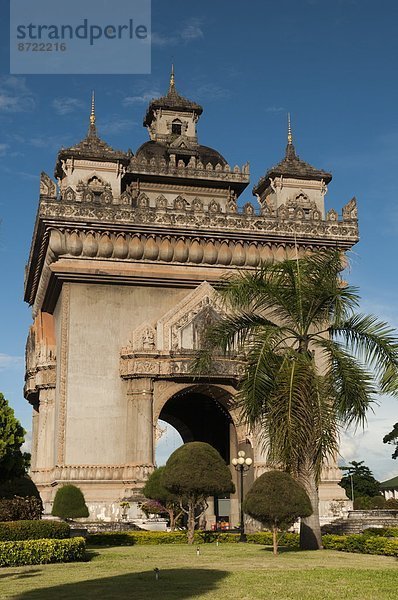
[[234, 498], [45, 430], [35, 431], [140, 426]]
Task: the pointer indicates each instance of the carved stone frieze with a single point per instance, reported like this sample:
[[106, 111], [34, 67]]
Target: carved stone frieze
[[166, 366]]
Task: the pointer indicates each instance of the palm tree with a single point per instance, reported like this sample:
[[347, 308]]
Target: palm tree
[[312, 365]]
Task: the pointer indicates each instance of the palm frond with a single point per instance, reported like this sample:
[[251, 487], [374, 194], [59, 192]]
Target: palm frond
[[376, 345], [350, 386]]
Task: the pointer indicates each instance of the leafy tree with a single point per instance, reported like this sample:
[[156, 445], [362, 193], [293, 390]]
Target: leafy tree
[[277, 501], [19, 486], [312, 365], [194, 472], [392, 438], [12, 460], [155, 490], [363, 482], [69, 503], [368, 503]]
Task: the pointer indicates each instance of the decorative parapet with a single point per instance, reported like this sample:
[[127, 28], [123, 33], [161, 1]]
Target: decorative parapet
[[195, 169], [84, 473], [288, 225]]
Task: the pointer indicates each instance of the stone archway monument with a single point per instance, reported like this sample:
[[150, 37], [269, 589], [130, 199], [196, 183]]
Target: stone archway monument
[[125, 254]]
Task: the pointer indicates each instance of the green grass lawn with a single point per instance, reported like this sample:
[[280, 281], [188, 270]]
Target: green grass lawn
[[234, 571]]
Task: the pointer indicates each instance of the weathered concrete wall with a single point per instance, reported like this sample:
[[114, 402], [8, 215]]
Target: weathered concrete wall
[[102, 318]]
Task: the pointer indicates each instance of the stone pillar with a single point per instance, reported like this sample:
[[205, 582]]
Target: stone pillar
[[234, 498], [140, 426], [45, 430], [35, 431]]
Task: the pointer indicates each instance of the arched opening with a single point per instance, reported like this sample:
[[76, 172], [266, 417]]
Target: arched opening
[[176, 127], [201, 414]]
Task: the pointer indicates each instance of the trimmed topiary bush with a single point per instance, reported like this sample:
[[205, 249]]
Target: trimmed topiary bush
[[277, 501], [69, 503], [33, 530], [194, 472], [17, 508], [40, 552]]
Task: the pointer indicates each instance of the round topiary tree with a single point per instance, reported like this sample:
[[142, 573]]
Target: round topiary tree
[[69, 503], [277, 501], [194, 472]]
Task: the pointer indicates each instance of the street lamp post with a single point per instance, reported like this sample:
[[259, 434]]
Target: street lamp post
[[242, 465]]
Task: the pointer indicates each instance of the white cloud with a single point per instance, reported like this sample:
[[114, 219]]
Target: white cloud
[[27, 445], [274, 109], [212, 92], [10, 362], [15, 96], [190, 31], [158, 39], [65, 106], [367, 444], [143, 98], [3, 149], [116, 125]]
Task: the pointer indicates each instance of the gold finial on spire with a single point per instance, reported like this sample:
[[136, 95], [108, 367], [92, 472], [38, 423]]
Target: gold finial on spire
[[289, 130], [172, 78], [92, 115]]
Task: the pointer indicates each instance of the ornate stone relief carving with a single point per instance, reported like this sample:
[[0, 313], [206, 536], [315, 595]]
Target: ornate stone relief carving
[[166, 348], [350, 211], [47, 186]]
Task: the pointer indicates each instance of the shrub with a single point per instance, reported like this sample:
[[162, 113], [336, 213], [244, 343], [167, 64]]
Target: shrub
[[18, 486], [132, 538], [69, 503], [17, 508], [392, 503], [389, 532], [370, 503], [364, 544], [40, 552], [33, 530], [289, 540]]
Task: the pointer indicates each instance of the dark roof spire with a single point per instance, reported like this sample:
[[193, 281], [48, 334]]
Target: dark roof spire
[[291, 166], [171, 101]]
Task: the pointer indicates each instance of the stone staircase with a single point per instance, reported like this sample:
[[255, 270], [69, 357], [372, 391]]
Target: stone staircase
[[359, 520]]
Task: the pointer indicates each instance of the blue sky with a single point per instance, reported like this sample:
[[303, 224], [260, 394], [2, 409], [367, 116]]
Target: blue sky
[[331, 63]]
